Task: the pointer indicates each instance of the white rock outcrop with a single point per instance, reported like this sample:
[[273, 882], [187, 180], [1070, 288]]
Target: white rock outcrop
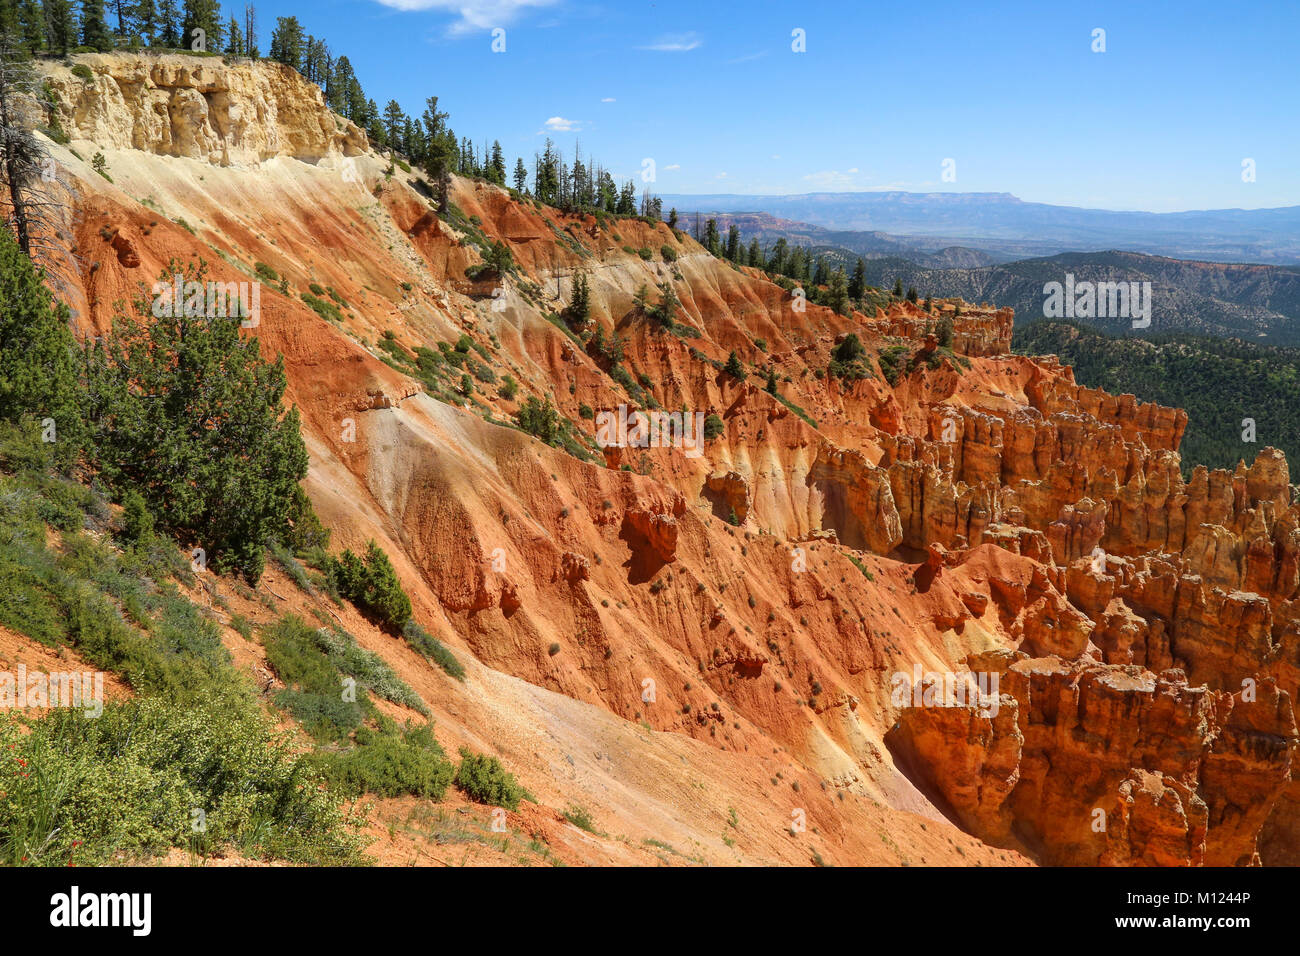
[[200, 108]]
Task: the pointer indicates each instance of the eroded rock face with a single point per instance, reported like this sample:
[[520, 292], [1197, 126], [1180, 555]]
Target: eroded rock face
[[1109, 765], [657, 529], [1161, 631], [185, 106], [1145, 628]]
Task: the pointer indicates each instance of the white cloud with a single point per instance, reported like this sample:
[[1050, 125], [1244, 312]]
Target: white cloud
[[558, 124], [720, 176], [853, 170], [747, 58], [473, 15], [674, 166], [608, 99], [675, 42]]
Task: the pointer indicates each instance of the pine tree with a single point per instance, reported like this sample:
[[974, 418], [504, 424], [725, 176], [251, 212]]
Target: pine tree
[[771, 380], [31, 25], [60, 26], [666, 311], [94, 31], [202, 15], [38, 370], [144, 19], [287, 43], [712, 241], [858, 283], [394, 124], [579, 308], [944, 332], [186, 411], [23, 158], [521, 175], [837, 293], [169, 25], [440, 152], [122, 11], [497, 165], [734, 368], [235, 38]]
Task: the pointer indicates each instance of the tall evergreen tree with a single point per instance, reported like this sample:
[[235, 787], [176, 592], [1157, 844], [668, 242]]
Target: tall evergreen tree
[[202, 15], [287, 41], [22, 156], [8, 18], [169, 25], [38, 371], [31, 25], [234, 38], [60, 26], [94, 31], [733, 242], [497, 164], [394, 123], [858, 283], [440, 151], [144, 19], [521, 175], [122, 11], [837, 292]]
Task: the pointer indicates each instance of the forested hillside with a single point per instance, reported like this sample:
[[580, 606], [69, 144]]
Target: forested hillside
[[1221, 383]]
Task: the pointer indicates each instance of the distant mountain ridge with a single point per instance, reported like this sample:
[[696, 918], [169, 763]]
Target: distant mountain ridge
[[1259, 303], [1000, 223], [846, 246]]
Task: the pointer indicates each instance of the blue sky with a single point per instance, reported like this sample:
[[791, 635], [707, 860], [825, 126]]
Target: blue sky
[[712, 91]]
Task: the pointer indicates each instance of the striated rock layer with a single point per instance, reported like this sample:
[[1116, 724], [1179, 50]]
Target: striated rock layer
[[957, 509]]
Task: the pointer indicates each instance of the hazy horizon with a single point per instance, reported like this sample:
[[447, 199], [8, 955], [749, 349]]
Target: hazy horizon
[[940, 99]]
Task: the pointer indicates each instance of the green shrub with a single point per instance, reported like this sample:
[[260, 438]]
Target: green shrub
[[434, 649], [313, 691], [484, 780], [372, 585], [266, 273], [186, 411], [326, 310], [85, 792], [539, 419], [713, 427], [580, 818], [390, 763]]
